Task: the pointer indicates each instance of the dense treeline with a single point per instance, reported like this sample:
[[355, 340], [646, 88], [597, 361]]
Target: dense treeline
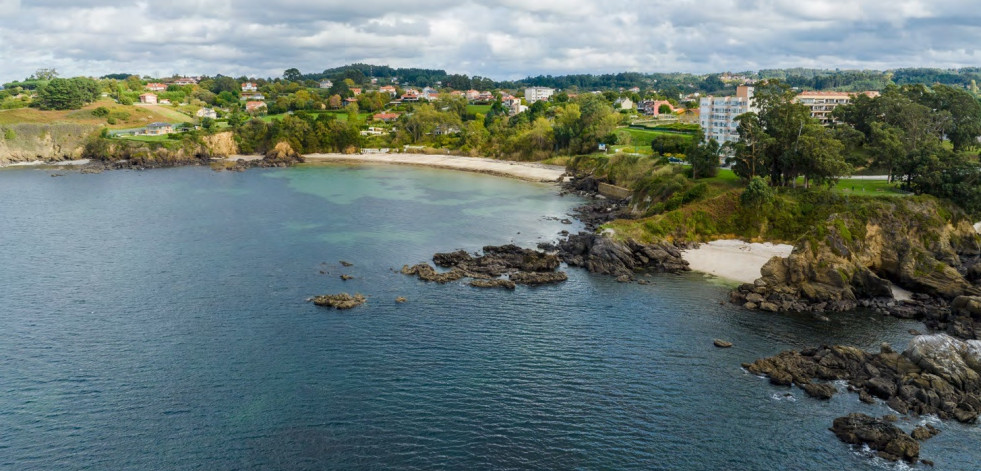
[[926, 138]]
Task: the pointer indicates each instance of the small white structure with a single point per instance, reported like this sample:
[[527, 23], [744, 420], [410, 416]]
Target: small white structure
[[250, 87], [207, 113], [148, 98], [534, 94], [326, 84]]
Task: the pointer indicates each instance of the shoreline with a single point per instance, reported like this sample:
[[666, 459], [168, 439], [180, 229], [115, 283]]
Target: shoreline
[[528, 171], [734, 260], [44, 163]]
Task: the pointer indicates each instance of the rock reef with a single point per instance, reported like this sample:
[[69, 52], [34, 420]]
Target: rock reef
[[339, 301], [521, 266]]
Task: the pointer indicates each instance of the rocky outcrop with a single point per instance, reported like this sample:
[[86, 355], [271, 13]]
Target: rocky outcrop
[[522, 266], [918, 244], [221, 144], [339, 301], [606, 255], [937, 374], [888, 440]]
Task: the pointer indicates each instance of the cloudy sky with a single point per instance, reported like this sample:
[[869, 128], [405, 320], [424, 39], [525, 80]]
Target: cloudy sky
[[501, 39]]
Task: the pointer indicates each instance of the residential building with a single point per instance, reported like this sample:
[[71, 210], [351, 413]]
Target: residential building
[[356, 91], [653, 107], [183, 81], [389, 90], [326, 84], [624, 103], [430, 94], [158, 129], [634, 90], [156, 87], [386, 117], [534, 94], [207, 113], [718, 114], [256, 96], [472, 95], [255, 106], [485, 96], [410, 95], [148, 98], [250, 87], [822, 103]]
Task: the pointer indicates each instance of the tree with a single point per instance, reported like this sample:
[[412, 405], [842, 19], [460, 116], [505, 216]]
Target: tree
[[757, 194], [334, 102], [703, 157], [292, 75], [45, 74], [67, 94], [965, 111], [748, 153]]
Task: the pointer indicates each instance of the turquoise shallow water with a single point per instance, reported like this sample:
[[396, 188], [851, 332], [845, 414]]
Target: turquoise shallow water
[[156, 320]]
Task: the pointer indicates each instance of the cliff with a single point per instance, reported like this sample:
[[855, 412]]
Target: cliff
[[918, 243], [49, 142]]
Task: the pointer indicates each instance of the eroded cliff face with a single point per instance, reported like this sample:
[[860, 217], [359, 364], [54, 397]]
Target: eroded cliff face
[[221, 144], [920, 244], [47, 142]]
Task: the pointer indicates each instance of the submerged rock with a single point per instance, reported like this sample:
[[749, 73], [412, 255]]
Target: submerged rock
[[400, 300], [888, 440], [722, 343], [538, 278], [340, 301]]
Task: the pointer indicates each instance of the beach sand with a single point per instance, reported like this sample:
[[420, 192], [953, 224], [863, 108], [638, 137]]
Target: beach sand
[[530, 171], [41, 163], [734, 259]]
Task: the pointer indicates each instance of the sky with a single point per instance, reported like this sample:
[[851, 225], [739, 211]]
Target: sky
[[502, 39]]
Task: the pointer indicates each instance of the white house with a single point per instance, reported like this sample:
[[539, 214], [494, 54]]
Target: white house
[[534, 94], [326, 84], [250, 87], [207, 113]]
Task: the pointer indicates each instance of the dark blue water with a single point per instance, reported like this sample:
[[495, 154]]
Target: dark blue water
[[156, 320]]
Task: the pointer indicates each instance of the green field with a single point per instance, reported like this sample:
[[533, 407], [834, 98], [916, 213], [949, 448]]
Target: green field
[[340, 115], [868, 187], [475, 109], [643, 137], [146, 138]]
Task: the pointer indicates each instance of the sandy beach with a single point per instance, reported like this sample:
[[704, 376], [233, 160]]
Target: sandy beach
[[530, 171], [734, 259]]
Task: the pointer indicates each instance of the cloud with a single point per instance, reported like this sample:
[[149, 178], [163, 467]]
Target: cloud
[[500, 39]]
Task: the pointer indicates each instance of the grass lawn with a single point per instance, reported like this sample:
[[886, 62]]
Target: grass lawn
[[146, 138], [482, 109], [643, 137], [135, 116], [868, 187], [340, 115]]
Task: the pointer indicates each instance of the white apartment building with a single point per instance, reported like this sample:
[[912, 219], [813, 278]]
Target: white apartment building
[[718, 114], [534, 94], [822, 104]]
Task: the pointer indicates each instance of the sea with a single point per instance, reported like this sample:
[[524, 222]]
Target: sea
[[159, 320]]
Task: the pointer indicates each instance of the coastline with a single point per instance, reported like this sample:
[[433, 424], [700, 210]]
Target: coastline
[[734, 260], [529, 171], [43, 163]]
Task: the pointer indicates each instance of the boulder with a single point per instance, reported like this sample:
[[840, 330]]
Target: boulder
[[888, 440], [722, 343], [820, 391]]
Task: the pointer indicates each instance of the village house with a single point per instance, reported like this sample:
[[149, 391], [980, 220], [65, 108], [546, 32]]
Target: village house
[[373, 131], [429, 94], [653, 107], [148, 98], [410, 95], [485, 96], [472, 95], [250, 87], [156, 87], [634, 90], [624, 103], [255, 106], [158, 129], [253, 96], [389, 90], [356, 91], [385, 117], [207, 113], [183, 81], [326, 83]]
